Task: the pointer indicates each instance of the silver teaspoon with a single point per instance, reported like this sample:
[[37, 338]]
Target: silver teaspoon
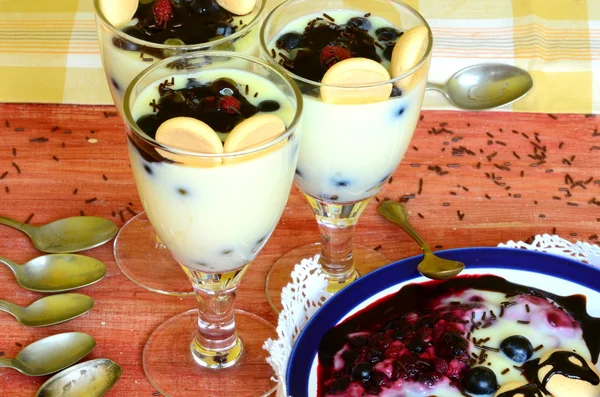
[[50, 310], [67, 235], [57, 272], [51, 354], [432, 266], [485, 86], [90, 379]]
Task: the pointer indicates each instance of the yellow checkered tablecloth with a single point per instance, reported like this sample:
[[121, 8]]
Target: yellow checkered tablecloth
[[49, 51]]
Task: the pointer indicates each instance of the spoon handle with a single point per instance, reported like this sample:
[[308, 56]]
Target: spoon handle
[[8, 307], [7, 362], [12, 265], [396, 212], [25, 228]]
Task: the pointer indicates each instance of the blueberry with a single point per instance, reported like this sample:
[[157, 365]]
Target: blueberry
[[517, 348], [359, 341], [362, 371], [224, 29], [289, 41], [416, 347], [127, 45], [387, 34], [480, 380], [451, 345], [374, 356], [148, 169], [387, 53], [360, 23], [115, 84], [401, 111], [378, 378], [149, 123], [349, 356], [268, 106], [396, 92], [340, 182]]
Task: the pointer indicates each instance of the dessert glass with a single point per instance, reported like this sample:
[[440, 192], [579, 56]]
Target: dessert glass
[[137, 244], [214, 219], [348, 151]]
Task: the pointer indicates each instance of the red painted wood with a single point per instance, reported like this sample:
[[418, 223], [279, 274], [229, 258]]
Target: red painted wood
[[125, 314]]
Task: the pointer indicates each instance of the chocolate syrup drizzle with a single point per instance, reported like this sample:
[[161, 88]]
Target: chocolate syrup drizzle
[[561, 365], [528, 390]]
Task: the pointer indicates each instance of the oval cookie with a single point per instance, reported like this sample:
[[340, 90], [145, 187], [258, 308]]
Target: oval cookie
[[255, 131], [192, 135], [355, 72], [238, 7], [118, 12], [408, 51]]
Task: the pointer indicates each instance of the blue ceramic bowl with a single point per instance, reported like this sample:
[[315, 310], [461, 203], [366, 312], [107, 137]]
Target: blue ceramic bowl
[[548, 272]]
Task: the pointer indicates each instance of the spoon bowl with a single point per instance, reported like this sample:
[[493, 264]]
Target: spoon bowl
[[90, 379], [485, 86], [51, 354], [50, 310], [67, 235], [57, 272], [432, 266]]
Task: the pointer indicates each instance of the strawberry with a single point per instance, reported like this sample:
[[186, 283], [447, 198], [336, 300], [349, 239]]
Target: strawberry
[[332, 54], [163, 12], [230, 104]]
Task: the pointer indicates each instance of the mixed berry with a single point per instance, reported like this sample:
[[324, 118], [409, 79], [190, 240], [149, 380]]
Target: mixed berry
[[177, 22], [220, 104], [411, 340], [325, 42]]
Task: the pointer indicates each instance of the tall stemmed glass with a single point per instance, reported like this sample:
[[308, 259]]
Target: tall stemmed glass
[[214, 213], [124, 56], [348, 150]]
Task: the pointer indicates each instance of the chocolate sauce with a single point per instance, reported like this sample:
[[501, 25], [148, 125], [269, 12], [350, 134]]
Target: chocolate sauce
[[193, 22], [561, 365], [528, 390], [420, 300]]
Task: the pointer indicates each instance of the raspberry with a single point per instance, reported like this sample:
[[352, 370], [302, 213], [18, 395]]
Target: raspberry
[[230, 104], [163, 12], [333, 54]]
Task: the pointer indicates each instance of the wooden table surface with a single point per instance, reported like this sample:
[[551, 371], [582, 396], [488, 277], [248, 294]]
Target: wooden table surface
[[469, 179]]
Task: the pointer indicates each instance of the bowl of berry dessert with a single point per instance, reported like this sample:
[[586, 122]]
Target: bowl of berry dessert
[[515, 323]]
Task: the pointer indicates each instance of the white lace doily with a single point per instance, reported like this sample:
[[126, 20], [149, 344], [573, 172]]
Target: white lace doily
[[303, 296]]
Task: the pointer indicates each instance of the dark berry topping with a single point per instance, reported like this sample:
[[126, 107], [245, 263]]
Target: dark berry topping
[[360, 23], [517, 348], [324, 43], [452, 345], [268, 106], [178, 22], [387, 34], [115, 84], [289, 41], [396, 92], [219, 104], [339, 385], [480, 380]]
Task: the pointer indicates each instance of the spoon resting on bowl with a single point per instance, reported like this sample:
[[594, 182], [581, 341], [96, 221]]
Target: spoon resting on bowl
[[432, 266]]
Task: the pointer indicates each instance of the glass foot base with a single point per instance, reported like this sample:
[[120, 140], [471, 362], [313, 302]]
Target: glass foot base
[[172, 370], [146, 262], [365, 261]]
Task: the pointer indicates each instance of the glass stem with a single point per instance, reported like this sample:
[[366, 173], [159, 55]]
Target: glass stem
[[216, 344], [337, 223]]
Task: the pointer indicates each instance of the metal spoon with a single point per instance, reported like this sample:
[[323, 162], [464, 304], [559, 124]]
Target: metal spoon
[[67, 235], [51, 354], [485, 86], [53, 309], [90, 379], [57, 272], [431, 266]]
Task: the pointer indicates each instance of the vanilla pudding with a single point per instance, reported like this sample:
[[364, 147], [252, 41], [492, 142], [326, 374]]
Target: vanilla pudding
[[349, 148], [214, 214], [131, 45]]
